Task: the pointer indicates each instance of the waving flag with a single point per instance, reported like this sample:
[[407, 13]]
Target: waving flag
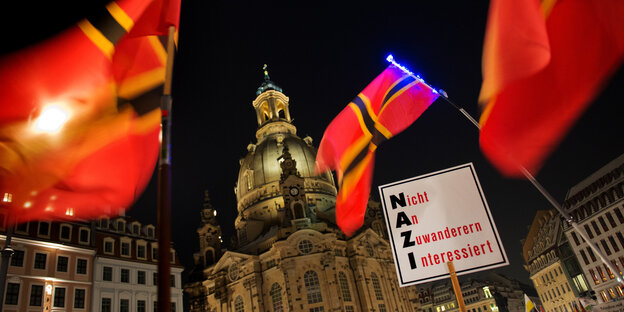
[[76, 139], [542, 67], [387, 106]]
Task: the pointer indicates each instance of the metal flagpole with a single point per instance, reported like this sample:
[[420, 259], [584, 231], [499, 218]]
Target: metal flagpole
[[530, 177], [164, 186], [548, 197]]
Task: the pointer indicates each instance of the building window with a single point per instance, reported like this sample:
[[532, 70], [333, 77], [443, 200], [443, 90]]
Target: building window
[[40, 261], [154, 279], [595, 226], [104, 223], [121, 225], [584, 257], [141, 277], [107, 274], [605, 247], [155, 253], [603, 223], [618, 234], [173, 307], [44, 229], [84, 235], [344, 286], [81, 266], [313, 287], [276, 297], [172, 256], [594, 276], [36, 294], [141, 251], [173, 281], [65, 232], [350, 309], [125, 276], [614, 244], [317, 309], [150, 232], [140, 305], [12, 293], [238, 304], [79, 298], [575, 238], [125, 249], [124, 305], [106, 304], [591, 254], [376, 286], [59, 297], [382, 307], [135, 229], [61, 264], [610, 218], [109, 246], [305, 246], [486, 292], [619, 215], [589, 232], [17, 260]]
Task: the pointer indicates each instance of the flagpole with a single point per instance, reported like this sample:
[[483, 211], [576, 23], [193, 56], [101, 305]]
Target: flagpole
[[164, 185], [548, 197]]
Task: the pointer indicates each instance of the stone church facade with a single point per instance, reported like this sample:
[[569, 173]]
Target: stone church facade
[[288, 254]]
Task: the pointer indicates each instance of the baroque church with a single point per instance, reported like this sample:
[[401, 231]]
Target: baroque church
[[288, 253]]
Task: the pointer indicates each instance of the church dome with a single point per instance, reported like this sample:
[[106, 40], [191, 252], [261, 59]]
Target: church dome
[[260, 171]]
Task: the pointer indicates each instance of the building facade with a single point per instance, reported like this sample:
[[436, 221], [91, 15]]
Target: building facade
[[125, 270], [556, 276], [597, 205], [51, 268], [107, 265]]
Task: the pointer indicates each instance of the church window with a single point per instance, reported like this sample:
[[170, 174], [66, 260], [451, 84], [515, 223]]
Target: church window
[[369, 250], [249, 176], [298, 211], [313, 287], [276, 297], [376, 286], [238, 304], [344, 286], [305, 246], [209, 257]]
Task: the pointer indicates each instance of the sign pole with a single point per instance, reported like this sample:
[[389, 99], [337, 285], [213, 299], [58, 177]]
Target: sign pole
[[456, 288]]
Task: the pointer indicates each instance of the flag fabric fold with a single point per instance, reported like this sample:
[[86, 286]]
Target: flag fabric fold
[[542, 67], [529, 306], [388, 105], [76, 138]]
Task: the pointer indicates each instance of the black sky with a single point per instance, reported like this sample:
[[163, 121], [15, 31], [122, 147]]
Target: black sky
[[323, 55]]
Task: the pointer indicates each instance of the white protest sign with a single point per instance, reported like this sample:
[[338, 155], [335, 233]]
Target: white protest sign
[[440, 217]]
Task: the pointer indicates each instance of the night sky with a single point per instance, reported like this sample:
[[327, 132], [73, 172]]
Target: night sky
[[323, 56]]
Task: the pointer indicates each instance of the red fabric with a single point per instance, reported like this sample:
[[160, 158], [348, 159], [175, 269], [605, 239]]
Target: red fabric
[[538, 88], [100, 161], [345, 136], [157, 18]]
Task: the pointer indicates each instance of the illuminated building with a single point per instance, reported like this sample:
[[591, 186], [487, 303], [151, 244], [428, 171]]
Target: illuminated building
[[108, 265], [125, 273], [552, 267], [51, 268], [597, 204], [288, 253]]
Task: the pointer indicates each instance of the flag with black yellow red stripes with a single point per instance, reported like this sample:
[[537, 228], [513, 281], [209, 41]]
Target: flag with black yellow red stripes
[[388, 105], [76, 139]]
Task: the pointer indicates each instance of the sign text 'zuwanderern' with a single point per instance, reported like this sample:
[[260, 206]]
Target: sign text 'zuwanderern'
[[437, 218]]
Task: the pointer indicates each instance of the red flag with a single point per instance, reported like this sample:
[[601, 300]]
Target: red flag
[[387, 106], [75, 141], [540, 74]]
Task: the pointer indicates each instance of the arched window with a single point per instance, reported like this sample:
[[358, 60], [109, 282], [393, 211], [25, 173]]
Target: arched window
[[238, 304], [298, 210], [313, 288], [376, 287], [276, 297], [209, 257], [344, 286]]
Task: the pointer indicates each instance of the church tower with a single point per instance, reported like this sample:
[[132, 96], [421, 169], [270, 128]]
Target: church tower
[[288, 254], [209, 233], [277, 189]]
